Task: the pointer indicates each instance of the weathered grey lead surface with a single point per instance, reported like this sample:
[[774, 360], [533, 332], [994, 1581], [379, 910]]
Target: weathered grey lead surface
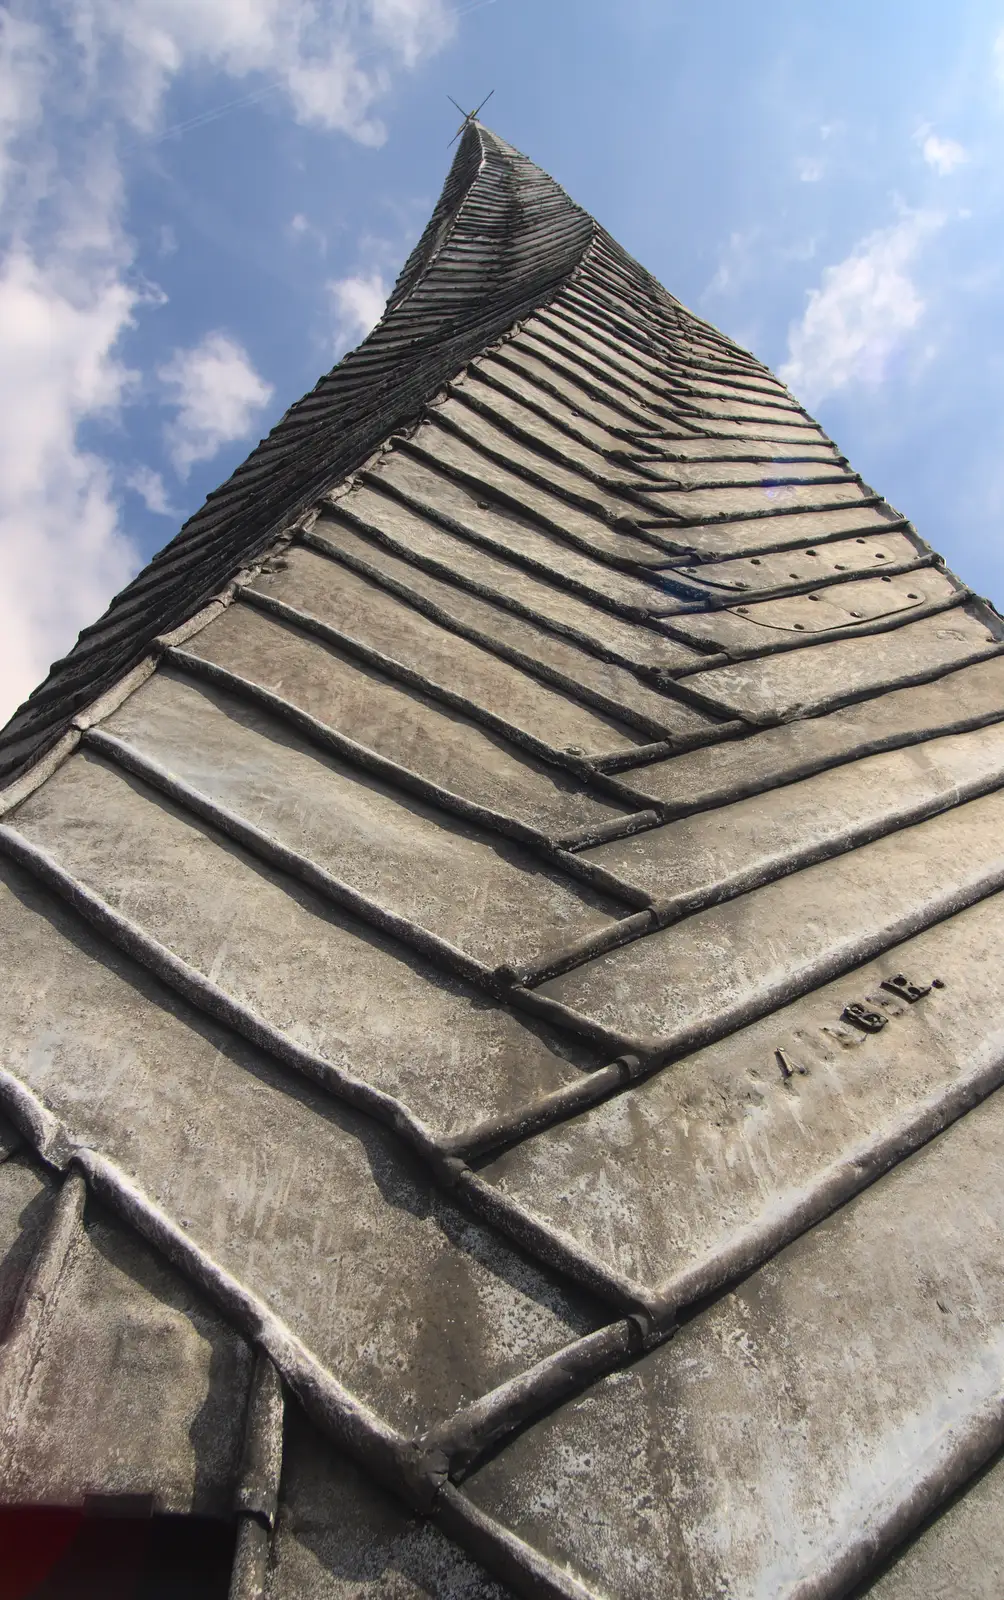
[[780, 687], [340, 1537], [748, 955], [397, 722], [757, 1448], [156, 1383], [25, 1203], [328, 981], [613, 686], [680, 1178], [311, 1205], [970, 696], [501, 927], [958, 1554], [408, 855], [369, 615], [745, 843]]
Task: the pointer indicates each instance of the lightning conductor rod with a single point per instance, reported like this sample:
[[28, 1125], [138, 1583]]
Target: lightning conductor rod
[[468, 116]]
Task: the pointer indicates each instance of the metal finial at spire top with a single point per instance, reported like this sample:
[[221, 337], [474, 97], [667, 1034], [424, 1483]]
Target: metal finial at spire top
[[468, 116]]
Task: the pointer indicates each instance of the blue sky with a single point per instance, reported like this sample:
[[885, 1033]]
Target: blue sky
[[204, 202]]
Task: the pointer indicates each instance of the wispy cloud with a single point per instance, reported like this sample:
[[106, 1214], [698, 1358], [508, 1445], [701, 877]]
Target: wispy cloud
[[150, 487], [330, 61], [736, 262], [301, 229], [216, 393], [24, 64], [809, 169], [359, 302], [944, 155], [863, 309]]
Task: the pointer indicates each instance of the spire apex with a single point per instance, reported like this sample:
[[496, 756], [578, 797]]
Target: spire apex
[[468, 116]]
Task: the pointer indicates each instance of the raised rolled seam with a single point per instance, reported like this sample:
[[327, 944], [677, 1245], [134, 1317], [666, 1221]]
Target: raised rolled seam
[[475, 1428], [555, 1249], [749, 1247], [504, 1553], [832, 580], [581, 951], [332, 741], [208, 997], [266, 847], [397, 670], [663, 1050], [839, 699], [679, 907], [890, 622], [445, 1165], [536, 668], [598, 833], [897, 739], [558, 1105], [349, 1421], [643, 615], [439, 569], [539, 479], [960, 1457]]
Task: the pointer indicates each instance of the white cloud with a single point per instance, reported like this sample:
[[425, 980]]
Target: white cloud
[[799, 249], [302, 229], [944, 155], [24, 61], [150, 487], [66, 298], [62, 551], [865, 306], [410, 25], [359, 303], [216, 392], [75, 80], [737, 261], [330, 59], [809, 169]]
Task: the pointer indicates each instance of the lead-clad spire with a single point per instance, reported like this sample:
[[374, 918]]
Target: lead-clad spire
[[526, 958]]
